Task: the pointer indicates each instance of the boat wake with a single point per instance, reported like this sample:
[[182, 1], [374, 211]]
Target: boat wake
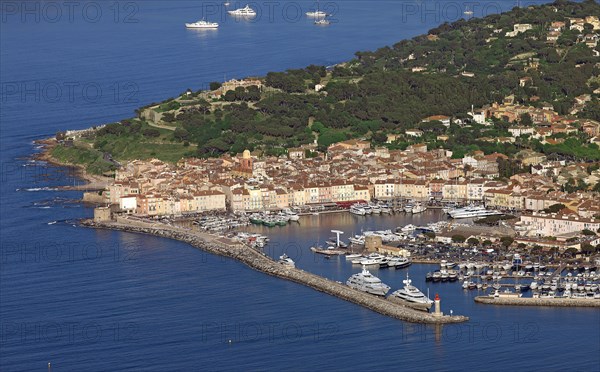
[[38, 189]]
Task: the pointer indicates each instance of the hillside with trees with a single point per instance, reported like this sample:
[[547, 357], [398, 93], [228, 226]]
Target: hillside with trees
[[390, 90]]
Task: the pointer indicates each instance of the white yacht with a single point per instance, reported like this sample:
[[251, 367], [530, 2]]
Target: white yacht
[[385, 209], [418, 208], [370, 261], [408, 228], [399, 262], [408, 208], [375, 208], [411, 293], [286, 261], [366, 282], [316, 14], [471, 212], [245, 11], [353, 256], [291, 214], [356, 209], [357, 239], [202, 24]]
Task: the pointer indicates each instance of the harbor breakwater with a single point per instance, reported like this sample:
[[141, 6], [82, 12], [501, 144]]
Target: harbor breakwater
[[258, 261], [529, 301]]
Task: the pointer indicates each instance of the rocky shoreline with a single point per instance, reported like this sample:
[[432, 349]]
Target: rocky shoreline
[[92, 182], [258, 261]]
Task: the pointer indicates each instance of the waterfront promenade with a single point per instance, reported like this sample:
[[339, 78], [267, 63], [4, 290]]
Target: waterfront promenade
[[258, 261]]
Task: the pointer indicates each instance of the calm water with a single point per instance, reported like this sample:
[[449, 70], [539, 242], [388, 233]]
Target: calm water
[[102, 300]]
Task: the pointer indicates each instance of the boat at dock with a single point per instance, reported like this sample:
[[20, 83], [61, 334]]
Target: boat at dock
[[330, 251], [256, 219], [356, 209], [292, 216], [366, 282], [412, 294], [472, 212], [286, 261], [357, 240], [399, 262], [418, 208]]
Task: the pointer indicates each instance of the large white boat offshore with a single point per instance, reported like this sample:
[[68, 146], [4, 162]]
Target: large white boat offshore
[[202, 24], [245, 11]]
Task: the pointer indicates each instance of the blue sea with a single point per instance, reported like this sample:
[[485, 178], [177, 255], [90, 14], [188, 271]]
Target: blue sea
[[92, 300]]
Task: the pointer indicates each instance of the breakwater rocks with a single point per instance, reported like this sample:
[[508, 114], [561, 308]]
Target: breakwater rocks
[[258, 261], [528, 301]]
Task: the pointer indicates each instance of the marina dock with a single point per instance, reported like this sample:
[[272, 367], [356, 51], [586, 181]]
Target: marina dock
[[259, 261], [528, 301]]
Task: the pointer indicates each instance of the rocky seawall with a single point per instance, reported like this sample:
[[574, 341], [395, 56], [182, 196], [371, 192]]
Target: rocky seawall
[[528, 301], [258, 261]]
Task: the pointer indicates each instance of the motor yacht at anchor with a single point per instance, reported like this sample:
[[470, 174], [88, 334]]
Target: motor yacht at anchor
[[366, 282], [244, 12], [202, 24], [316, 14], [412, 294]]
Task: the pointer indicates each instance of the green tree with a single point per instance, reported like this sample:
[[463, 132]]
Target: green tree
[[458, 238], [473, 241], [506, 241]]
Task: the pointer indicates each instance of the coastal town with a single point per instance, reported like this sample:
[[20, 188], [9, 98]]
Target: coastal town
[[352, 171], [512, 179], [300, 186]]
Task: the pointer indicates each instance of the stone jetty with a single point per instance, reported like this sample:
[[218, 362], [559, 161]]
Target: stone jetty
[[528, 301], [258, 261]]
